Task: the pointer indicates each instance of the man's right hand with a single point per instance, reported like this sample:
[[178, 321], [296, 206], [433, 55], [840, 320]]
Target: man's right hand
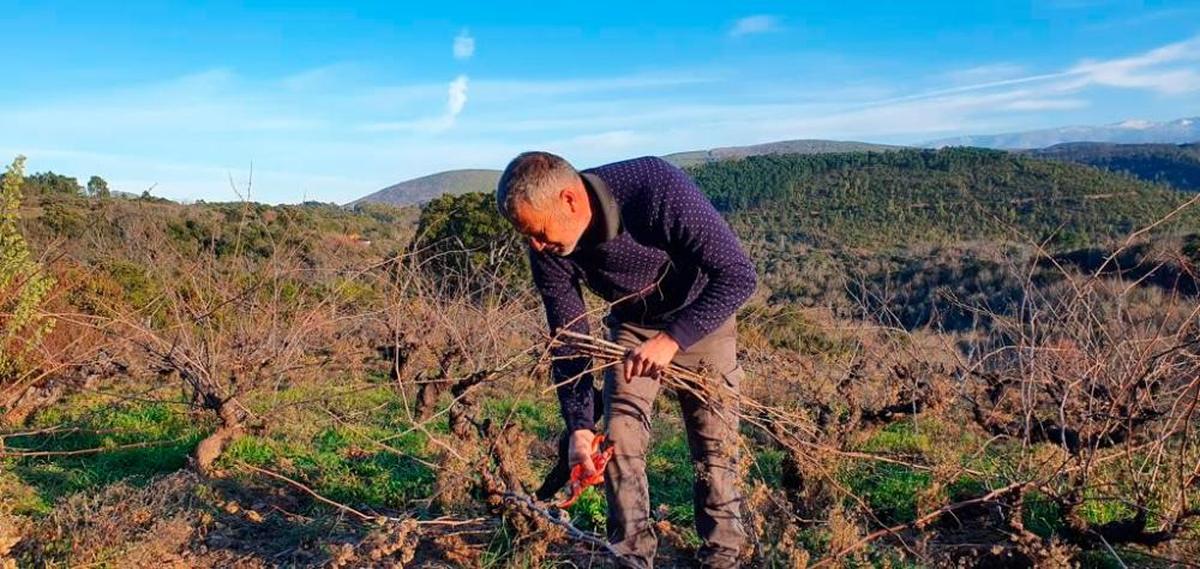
[[580, 451]]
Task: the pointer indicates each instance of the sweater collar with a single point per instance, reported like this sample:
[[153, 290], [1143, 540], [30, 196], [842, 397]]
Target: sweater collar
[[609, 225]]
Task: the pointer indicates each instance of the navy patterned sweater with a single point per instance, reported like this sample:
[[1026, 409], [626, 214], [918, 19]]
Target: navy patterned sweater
[[659, 251]]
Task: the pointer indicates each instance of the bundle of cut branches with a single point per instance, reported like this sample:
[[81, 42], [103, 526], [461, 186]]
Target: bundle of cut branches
[[701, 384]]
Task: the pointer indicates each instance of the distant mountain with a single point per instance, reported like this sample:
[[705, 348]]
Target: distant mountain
[[1177, 165], [425, 188], [1128, 132], [695, 157]]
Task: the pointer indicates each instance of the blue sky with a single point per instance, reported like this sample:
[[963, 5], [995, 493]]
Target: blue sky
[[332, 100]]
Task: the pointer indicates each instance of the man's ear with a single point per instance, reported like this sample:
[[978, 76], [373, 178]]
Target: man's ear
[[570, 198]]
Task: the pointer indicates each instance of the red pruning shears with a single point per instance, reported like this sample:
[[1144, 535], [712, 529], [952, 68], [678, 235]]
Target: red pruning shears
[[578, 482]]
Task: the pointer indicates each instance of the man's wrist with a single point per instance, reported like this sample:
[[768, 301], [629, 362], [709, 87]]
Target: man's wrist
[[576, 424], [683, 332]]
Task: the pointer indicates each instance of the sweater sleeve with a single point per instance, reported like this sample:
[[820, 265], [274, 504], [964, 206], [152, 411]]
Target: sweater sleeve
[[563, 301], [694, 233]]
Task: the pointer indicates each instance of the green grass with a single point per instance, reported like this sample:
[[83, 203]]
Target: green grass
[[768, 466], [903, 437], [590, 511], [889, 489], [340, 463], [17, 497], [344, 465], [1097, 511], [669, 471], [538, 417], [344, 461], [1042, 515], [169, 434]]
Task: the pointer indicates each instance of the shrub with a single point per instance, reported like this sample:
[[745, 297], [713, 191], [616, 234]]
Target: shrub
[[23, 289]]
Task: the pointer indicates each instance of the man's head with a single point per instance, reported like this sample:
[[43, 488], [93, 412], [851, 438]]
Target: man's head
[[545, 199]]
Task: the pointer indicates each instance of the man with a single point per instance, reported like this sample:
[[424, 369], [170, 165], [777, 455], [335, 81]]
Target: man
[[642, 236]]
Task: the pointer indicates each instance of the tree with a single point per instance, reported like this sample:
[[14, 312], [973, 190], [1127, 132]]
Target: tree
[[23, 289], [46, 183], [464, 243], [97, 187]]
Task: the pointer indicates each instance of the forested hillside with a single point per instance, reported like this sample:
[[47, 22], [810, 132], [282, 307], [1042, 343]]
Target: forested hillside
[[1176, 165], [918, 235], [909, 197]]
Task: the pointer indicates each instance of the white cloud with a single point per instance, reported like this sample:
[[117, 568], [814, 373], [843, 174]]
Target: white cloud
[[456, 100], [457, 96], [1170, 69], [500, 89], [1045, 105], [758, 24], [986, 73], [464, 45]]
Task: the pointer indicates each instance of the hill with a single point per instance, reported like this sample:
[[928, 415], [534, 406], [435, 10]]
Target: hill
[[894, 231], [916, 196], [1127, 132], [425, 188], [1177, 165], [697, 157]]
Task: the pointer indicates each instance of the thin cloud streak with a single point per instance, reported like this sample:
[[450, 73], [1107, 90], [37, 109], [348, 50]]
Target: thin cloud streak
[[986, 73], [456, 100], [751, 25]]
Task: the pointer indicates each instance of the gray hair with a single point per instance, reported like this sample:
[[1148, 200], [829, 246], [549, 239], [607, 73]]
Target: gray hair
[[532, 178]]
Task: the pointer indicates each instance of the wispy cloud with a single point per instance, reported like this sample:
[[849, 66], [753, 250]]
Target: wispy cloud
[[1044, 105], [517, 89], [986, 73], [457, 97], [1170, 69], [757, 24], [456, 100], [464, 45]]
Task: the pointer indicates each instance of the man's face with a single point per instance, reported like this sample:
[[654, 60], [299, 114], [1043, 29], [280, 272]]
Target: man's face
[[556, 227]]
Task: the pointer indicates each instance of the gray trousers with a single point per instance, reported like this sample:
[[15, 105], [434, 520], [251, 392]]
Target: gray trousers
[[712, 438]]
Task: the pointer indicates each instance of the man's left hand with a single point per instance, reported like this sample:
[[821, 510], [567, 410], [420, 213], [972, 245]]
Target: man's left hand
[[650, 358]]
